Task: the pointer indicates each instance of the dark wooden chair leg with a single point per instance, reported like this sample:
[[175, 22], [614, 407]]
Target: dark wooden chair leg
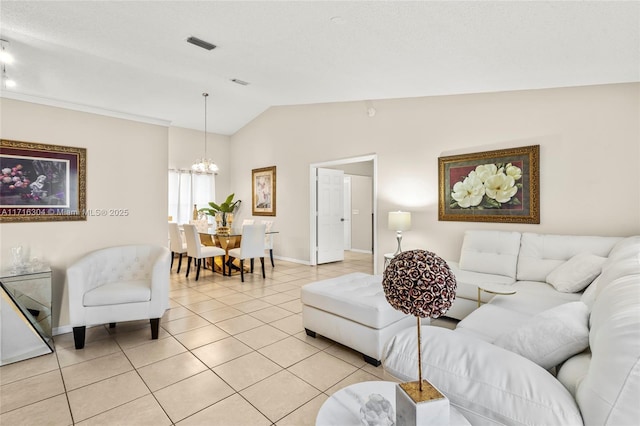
[[262, 262], [273, 265], [251, 265], [241, 270], [310, 333], [78, 336], [179, 262], [172, 255], [155, 328], [199, 262], [188, 265], [112, 325]]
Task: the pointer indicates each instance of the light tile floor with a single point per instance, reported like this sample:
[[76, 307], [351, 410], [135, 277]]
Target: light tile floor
[[229, 353]]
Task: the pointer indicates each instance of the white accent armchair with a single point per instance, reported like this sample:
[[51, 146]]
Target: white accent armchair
[[115, 284]]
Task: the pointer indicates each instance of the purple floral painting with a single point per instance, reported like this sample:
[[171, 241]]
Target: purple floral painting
[[40, 182]]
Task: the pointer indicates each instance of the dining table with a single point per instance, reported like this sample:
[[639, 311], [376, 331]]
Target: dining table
[[226, 241]]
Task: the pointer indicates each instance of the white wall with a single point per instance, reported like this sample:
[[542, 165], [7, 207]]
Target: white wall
[[589, 165], [126, 169], [362, 203]]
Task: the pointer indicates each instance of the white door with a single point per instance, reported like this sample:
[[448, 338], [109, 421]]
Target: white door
[[347, 213], [330, 215]]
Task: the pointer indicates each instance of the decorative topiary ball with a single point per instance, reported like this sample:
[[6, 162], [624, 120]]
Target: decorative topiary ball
[[419, 283]]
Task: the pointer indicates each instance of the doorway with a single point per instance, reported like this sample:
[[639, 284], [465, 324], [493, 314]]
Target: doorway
[[346, 165]]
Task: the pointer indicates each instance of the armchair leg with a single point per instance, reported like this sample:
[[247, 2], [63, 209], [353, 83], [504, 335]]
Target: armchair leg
[[155, 328], [179, 262], [112, 325], [241, 270], [252, 265], [78, 336], [262, 263], [270, 255]]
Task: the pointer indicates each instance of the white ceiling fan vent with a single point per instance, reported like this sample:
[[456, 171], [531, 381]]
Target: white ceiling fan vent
[[201, 43], [240, 82]]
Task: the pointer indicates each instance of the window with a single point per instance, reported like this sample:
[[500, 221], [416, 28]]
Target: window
[[186, 189]]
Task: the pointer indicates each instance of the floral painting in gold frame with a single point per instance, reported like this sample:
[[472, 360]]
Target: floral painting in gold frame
[[41, 182], [491, 186], [263, 190]]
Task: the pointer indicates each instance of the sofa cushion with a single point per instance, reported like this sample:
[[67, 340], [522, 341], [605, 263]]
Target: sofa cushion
[[540, 254], [490, 252], [576, 273], [116, 293], [552, 336], [486, 383], [356, 296]]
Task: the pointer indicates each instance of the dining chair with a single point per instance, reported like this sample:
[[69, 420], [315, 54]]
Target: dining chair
[[251, 247], [268, 240], [247, 222], [202, 225], [176, 244], [195, 250]]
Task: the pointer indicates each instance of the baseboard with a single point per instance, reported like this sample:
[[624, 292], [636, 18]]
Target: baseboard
[[361, 251], [61, 330], [288, 259]]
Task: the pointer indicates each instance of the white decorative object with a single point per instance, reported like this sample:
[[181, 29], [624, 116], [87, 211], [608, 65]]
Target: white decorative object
[[420, 407]]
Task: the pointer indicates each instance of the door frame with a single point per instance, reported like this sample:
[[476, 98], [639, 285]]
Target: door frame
[[313, 206]]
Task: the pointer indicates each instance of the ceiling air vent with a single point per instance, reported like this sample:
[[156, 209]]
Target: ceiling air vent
[[240, 82], [201, 43]]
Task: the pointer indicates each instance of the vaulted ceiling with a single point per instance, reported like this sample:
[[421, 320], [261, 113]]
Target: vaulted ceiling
[[132, 57]]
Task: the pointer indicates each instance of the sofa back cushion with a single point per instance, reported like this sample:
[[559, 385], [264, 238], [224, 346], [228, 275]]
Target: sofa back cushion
[[608, 393], [490, 252], [540, 254]]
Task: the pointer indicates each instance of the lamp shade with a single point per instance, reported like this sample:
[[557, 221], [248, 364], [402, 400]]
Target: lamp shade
[[399, 221]]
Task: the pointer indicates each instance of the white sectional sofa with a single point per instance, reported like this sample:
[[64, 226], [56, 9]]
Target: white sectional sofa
[[551, 354]]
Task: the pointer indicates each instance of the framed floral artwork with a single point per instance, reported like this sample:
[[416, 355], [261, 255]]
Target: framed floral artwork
[[263, 190], [491, 186], [40, 182]]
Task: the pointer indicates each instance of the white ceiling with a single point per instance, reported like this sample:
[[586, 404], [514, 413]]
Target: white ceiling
[[132, 57]]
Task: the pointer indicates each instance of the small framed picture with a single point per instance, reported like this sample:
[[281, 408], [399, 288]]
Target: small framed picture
[[490, 186], [263, 185]]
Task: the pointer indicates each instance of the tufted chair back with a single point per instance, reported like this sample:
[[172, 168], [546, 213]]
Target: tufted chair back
[[116, 284]]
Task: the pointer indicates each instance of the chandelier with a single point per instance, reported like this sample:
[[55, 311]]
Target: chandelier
[[204, 164]]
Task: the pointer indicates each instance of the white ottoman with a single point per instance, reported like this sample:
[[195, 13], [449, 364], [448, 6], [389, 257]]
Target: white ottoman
[[352, 310]]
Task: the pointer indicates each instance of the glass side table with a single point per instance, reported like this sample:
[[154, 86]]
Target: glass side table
[[28, 291]]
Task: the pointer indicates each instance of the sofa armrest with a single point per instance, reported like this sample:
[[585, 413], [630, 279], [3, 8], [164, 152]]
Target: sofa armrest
[[160, 283]]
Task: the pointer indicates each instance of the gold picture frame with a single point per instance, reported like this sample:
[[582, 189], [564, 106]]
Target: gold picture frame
[[263, 191], [492, 186], [42, 182]]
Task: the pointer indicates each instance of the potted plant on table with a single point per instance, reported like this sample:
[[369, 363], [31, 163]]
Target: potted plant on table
[[223, 213]]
